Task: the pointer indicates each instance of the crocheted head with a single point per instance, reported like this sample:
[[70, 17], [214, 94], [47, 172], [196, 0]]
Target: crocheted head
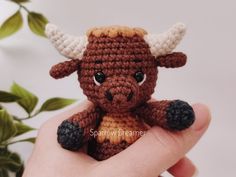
[[117, 70]]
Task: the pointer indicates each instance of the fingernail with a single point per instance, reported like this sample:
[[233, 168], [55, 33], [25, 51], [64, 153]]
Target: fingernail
[[202, 117], [196, 173]]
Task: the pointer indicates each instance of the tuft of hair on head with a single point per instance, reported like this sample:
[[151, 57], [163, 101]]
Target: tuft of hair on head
[[114, 31]]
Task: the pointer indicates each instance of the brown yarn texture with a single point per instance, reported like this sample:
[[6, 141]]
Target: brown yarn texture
[[64, 69], [176, 59], [118, 53]]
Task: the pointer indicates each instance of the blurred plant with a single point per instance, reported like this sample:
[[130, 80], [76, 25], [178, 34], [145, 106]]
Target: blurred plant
[[12, 126], [36, 21]]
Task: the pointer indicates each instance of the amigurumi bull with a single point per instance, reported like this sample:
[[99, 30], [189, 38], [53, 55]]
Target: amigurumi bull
[[117, 70]]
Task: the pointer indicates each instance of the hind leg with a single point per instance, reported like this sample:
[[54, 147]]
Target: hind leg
[[103, 151]]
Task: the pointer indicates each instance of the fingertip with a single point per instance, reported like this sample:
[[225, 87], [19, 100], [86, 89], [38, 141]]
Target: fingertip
[[202, 117], [183, 168], [196, 173]]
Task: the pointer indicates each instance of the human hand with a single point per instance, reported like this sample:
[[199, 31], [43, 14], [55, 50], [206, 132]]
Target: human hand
[[157, 151]]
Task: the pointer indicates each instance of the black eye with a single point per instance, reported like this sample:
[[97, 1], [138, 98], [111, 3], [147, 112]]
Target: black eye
[[140, 77], [99, 78]]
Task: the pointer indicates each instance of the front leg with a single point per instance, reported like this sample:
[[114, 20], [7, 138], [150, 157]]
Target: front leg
[[75, 131], [172, 115]]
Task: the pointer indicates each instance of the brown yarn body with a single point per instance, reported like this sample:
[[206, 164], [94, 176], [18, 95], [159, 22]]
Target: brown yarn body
[[115, 133], [102, 151], [119, 58]]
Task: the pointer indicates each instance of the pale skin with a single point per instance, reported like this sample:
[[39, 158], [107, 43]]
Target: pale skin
[[155, 152]]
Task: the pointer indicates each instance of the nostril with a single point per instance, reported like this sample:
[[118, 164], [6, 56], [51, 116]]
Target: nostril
[[130, 96], [108, 95]]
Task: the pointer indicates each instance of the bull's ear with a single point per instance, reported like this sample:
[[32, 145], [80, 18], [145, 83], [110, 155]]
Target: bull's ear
[[64, 69], [173, 60]]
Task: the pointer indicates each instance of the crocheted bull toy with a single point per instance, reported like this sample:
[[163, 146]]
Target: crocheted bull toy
[[117, 70]]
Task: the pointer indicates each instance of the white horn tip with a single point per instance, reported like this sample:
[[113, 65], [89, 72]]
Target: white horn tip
[[50, 29], [180, 28]]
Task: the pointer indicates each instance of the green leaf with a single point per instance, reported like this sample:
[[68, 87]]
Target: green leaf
[[14, 167], [3, 173], [20, 172], [22, 128], [11, 25], [8, 97], [30, 140], [10, 164], [15, 157], [28, 100], [20, 1], [37, 23], [56, 103], [7, 127], [15, 118], [3, 151], [10, 160]]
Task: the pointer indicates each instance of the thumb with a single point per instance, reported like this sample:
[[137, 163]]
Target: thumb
[[160, 149]]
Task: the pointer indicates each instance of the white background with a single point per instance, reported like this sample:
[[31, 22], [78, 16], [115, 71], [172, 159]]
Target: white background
[[208, 77]]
